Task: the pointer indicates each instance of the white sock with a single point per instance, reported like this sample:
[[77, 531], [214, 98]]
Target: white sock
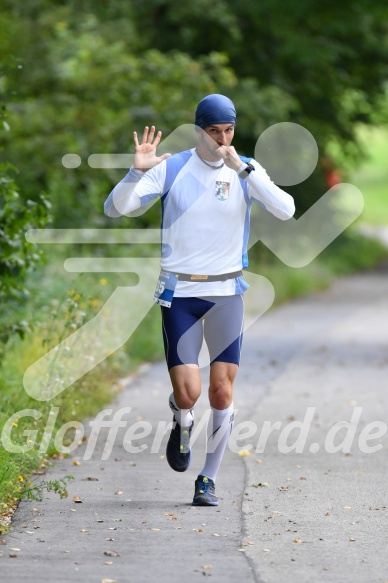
[[184, 417], [219, 428]]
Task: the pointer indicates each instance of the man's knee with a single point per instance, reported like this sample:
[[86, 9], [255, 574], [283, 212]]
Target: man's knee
[[222, 377], [186, 385], [184, 400], [221, 394]]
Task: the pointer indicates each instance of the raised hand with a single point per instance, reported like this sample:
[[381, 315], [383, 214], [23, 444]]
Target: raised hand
[[145, 152]]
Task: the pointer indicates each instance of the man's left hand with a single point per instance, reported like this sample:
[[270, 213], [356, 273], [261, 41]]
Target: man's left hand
[[230, 157]]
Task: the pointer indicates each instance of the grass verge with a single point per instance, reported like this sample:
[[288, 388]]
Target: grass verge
[[371, 176], [61, 305]]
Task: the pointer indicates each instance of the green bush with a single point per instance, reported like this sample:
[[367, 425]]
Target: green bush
[[18, 256]]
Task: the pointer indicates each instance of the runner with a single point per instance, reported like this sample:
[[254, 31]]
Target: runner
[[206, 193]]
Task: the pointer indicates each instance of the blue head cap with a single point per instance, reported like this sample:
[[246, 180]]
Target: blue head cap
[[214, 109]]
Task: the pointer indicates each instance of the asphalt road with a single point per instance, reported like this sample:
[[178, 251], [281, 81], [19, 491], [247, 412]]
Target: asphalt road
[[307, 500]]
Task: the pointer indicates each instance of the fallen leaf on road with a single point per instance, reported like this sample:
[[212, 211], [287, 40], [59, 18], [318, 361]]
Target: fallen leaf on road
[[351, 539], [108, 563], [297, 540], [244, 453], [155, 529], [84, 530], [207, 566], [76, 463], [77, 500], [119, 492]]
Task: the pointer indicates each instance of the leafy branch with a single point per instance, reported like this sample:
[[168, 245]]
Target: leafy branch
[[35, 491]]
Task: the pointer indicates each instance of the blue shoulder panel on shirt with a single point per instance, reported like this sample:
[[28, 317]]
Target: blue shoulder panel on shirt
[[173, 165], [244, 159]]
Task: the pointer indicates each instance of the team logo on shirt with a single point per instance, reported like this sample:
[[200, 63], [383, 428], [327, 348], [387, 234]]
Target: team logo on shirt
[[222, 190]]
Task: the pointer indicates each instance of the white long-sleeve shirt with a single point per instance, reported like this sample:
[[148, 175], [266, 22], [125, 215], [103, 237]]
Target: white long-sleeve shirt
[[205, 215]]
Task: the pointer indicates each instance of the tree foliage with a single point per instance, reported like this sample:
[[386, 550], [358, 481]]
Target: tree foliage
[[90, 73], [330, 57], [18, 256]]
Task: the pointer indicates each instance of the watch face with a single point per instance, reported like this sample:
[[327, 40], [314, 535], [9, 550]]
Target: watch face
[[247, 170]]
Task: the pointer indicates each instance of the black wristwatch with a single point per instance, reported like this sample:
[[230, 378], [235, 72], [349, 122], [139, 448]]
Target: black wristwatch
[[246, 172]]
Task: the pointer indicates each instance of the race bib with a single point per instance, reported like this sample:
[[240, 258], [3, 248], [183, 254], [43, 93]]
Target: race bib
[[165, 289]]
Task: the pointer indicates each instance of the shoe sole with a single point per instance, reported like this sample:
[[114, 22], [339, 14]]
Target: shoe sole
[[172, 459], [176, 468], [204, 502]]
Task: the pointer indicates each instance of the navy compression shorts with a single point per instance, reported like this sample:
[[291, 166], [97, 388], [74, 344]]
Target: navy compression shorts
[[217, 319]]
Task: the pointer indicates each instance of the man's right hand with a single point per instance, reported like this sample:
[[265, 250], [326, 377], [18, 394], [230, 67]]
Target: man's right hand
[[145, 153]]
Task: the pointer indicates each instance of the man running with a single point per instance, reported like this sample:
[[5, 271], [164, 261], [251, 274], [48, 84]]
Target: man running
[[206, 194]]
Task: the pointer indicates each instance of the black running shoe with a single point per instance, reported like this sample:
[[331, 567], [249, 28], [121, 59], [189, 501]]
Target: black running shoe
[[178, 451], [205, 493]]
